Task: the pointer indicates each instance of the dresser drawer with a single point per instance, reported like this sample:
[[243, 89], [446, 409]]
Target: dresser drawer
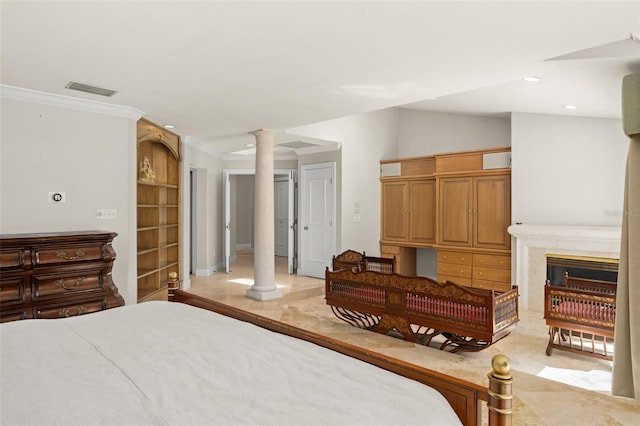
[[500, 275], [490, 285], [70, 310], [457, 257], [15, 259], [15, 315], [454, 270], [458, 280], [65, 254], [492, 261], [12, 290], [63, 284], [389, 250]]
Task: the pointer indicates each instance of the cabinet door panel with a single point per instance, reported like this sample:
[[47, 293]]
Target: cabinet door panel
[[394, 211], [422, 195], [455, 212], [492, 210]]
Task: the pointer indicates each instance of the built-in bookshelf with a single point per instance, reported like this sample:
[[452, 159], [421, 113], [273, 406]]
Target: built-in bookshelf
[[158, 202]]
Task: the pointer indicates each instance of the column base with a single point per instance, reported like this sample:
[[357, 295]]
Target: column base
[[276, 293]]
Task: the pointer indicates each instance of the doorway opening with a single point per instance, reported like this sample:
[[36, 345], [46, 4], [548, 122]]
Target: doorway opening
[[238, 214]]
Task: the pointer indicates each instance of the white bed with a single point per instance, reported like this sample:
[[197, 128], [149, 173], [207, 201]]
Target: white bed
[[170, 363]]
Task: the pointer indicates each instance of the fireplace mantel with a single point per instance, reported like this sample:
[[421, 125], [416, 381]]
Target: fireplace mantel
[[533, 242]]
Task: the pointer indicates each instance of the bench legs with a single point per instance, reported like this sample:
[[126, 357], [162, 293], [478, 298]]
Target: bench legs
[[576, 341], [400, 324], [386, 323], [355, 318]]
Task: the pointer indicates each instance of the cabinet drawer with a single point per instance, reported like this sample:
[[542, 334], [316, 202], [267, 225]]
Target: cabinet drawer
[[457, 257], [14, 315], [492, 261], [500, 275], [65, 254], [454, 270], [12, 290], [53, 285], [14, 259], [490, 285], [70, 310], [458, 280], [389, 250]]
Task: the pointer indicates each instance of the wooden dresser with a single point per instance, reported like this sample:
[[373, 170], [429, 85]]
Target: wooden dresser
[[55, 275]]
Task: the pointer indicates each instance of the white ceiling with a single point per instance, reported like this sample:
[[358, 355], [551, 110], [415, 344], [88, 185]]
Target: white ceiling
[[218, 70]]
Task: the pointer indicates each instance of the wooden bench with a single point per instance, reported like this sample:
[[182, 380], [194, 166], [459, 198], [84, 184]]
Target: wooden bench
[[350, 259], [581, 315], [420, 308]]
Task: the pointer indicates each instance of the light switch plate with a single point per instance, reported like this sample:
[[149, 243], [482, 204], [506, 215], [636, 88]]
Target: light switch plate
[[106, 214]]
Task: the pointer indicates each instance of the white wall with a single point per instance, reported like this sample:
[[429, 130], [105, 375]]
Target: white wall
[[426, 133], [365, 139], [567, 170], [208, 170], [89, 156]]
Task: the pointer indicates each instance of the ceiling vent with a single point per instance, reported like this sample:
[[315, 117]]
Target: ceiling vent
[[297, 144], [90, 89]]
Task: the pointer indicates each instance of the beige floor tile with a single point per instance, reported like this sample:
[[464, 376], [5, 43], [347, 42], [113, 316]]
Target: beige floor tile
[[549, 390]]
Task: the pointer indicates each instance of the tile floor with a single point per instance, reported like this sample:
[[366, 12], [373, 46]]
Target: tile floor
[[563, 389]]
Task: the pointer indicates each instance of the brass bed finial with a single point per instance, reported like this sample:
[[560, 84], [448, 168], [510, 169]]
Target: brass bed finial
[[500, 391]]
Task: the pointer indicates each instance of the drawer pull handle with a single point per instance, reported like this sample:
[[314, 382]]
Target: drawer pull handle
[[76, 283], [63, 254], [66, 312]]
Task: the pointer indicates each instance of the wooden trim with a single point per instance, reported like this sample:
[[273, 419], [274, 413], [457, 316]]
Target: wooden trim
[[474, 151], [472, 173], [147, 130]]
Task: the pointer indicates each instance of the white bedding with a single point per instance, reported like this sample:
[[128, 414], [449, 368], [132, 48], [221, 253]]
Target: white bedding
[[169, 363]]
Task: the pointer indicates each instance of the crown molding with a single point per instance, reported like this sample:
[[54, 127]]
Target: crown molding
[[35, 96], [335, 146], [201, 146]]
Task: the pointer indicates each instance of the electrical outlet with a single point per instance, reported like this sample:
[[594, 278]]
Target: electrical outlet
[[106, 214]]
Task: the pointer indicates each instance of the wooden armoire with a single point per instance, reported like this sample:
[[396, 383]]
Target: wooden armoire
[[457, 203]]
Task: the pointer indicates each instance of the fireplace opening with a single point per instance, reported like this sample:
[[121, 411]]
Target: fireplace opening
[[594, 268]]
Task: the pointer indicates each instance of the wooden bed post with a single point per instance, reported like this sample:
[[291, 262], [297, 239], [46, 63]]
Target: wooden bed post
[[500, 391], [172, 285]]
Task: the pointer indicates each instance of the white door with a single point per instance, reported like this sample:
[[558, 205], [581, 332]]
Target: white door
[[318, 219], [281, 217], [226, 219], [292, 224]]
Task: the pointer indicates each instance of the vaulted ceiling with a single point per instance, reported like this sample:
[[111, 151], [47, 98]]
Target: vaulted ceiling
[[218, 70]]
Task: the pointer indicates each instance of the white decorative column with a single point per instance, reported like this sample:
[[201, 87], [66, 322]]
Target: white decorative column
[[264, 286]]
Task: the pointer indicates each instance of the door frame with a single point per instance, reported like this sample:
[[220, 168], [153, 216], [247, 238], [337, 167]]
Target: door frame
[[226, 213]]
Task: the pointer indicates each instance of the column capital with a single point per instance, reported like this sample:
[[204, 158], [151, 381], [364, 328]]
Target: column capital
[[262, 132]]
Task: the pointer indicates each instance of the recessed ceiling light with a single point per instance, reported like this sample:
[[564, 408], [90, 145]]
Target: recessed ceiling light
[[570, 107], [249, 144], [169, 126], [532, 78]]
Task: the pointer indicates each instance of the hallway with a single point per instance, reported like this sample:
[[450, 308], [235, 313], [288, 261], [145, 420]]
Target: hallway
[[563, 389]]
